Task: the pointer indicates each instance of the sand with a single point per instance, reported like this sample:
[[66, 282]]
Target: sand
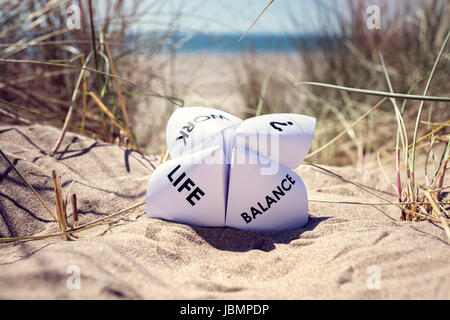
[[341, 253]]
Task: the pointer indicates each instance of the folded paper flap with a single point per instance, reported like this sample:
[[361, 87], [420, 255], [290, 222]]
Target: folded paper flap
[[278, 123], [191, 129], [284, 138], [190, 189], [258, 191], [273, 201]]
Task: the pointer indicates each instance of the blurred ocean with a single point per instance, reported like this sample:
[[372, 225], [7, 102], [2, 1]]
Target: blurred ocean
[[229, 43]]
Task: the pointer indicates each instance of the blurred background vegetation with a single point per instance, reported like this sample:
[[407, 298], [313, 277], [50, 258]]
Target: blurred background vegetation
[[111, 40]]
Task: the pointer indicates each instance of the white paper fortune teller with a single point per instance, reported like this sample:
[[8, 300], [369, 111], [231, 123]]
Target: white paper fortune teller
[[228, 172]]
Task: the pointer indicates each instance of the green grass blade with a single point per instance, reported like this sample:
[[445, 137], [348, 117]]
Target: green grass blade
[[375, 93], [398, 114], [401, 131], [427, 87], [262, 95]]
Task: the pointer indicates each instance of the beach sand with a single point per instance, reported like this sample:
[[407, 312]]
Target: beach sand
[[341, 253]]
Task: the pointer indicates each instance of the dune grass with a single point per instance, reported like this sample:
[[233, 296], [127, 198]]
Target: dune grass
[[349, 57], [26, 47], [414, 205], [345, 54], [96, 59], [95, 54]]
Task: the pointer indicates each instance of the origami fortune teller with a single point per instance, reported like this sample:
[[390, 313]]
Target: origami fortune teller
[[228, 172]]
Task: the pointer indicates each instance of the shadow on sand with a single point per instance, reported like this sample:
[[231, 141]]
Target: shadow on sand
[[231, 239]]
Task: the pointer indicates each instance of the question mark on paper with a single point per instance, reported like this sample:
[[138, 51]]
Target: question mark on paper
[[275, 124]]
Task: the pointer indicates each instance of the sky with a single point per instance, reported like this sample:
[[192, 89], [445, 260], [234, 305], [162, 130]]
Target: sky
[[232, 16], [235, 16]]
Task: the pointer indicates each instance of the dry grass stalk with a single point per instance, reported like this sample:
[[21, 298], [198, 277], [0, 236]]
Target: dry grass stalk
[[49, 119], [176, 101], [119, 92], [441, 179], [11, 115], [377, 92], [63, 204], [431, 133], [84, 227], [83, 117], [63, 130], [163, 156], [59, 205], [439, 214], [359, 202], [74, 211], [94, 44], [408, 209], [256, 20], [70, 111], [166, 156], [106, 111], [347, 129]]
